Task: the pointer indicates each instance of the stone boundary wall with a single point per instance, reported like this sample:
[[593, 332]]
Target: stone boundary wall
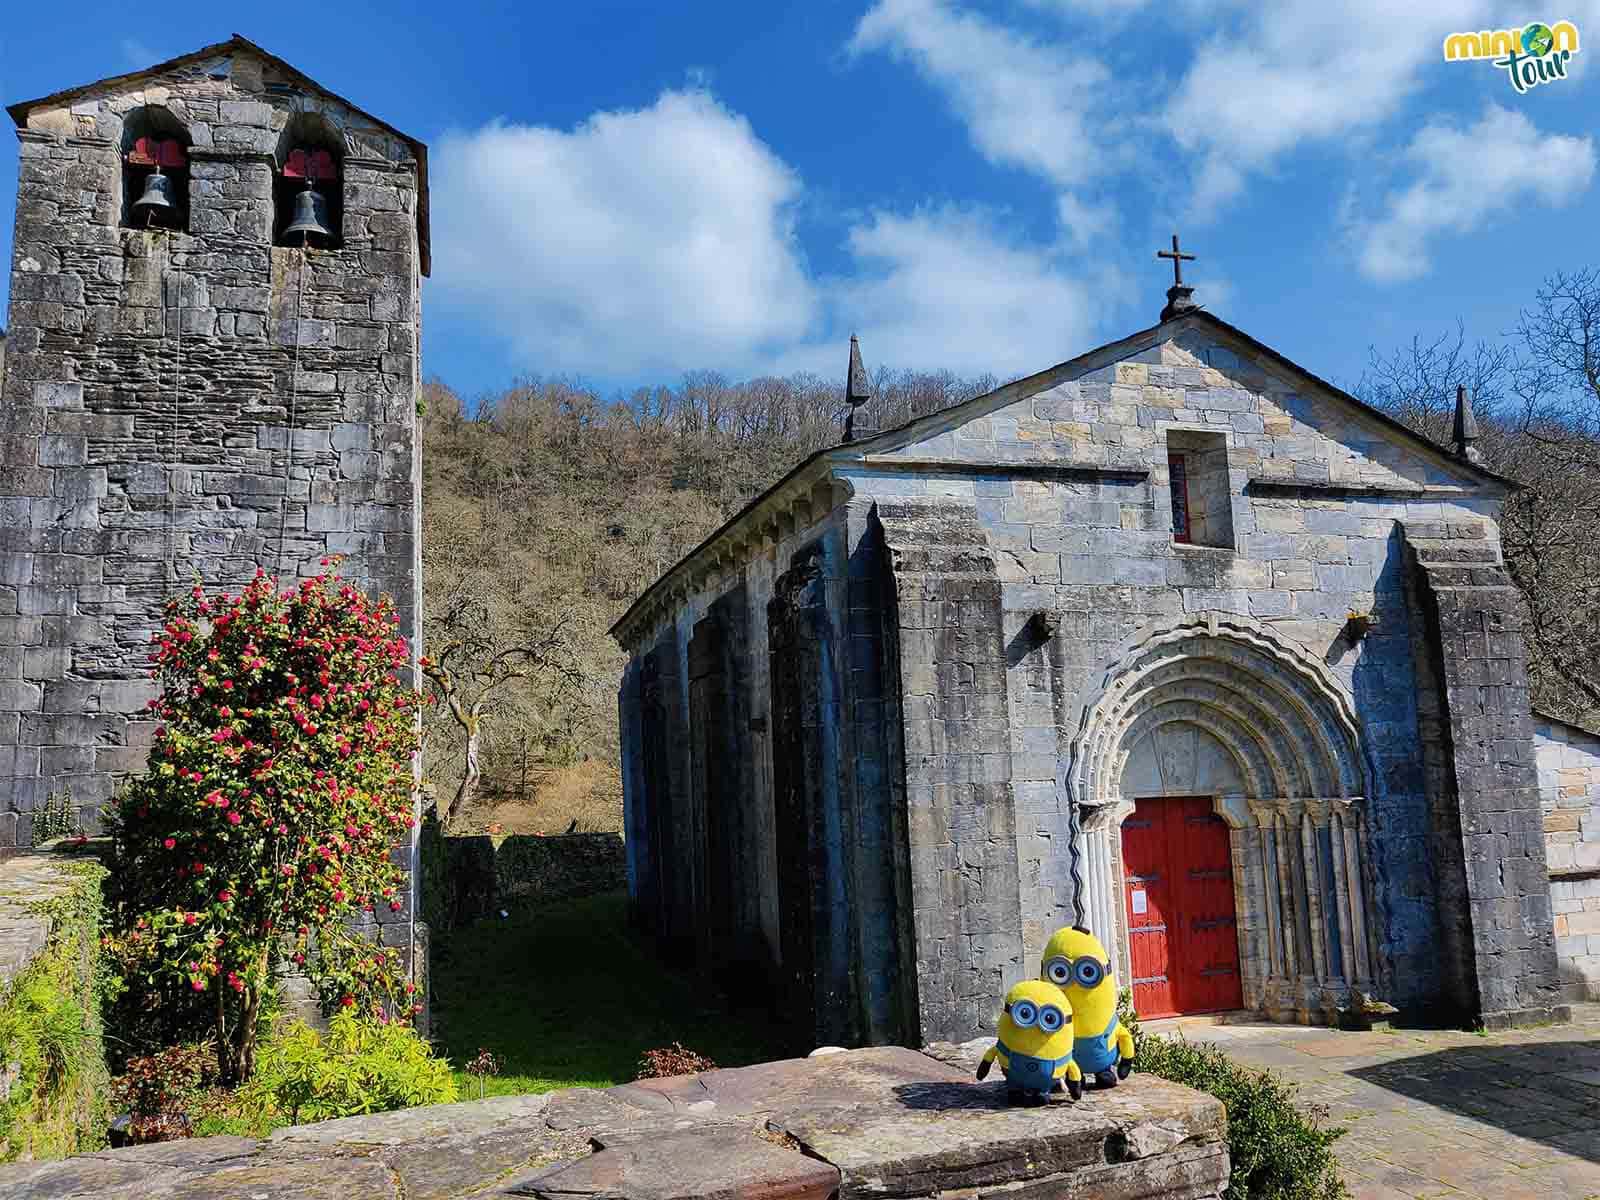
[[49, 958], [465, 878], [1569, 793]]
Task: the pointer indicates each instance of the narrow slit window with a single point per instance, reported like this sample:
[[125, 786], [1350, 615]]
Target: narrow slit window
[[1178, 477]]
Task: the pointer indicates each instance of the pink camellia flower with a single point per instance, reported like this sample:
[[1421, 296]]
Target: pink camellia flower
[[189, 918], [234, 818], [169, 843], [225, 895], [214, 797], [199, 985]]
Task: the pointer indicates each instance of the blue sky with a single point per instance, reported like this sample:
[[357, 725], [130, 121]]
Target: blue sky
[[626, 191]]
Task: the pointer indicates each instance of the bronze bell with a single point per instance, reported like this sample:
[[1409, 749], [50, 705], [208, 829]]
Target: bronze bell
[[310, 215], [157, 197]]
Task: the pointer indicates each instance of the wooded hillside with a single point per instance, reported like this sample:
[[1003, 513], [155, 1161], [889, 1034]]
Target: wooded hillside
[[548, 507]]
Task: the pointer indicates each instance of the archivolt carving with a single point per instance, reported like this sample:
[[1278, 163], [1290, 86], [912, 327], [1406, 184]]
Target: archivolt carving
[[1287, 721]]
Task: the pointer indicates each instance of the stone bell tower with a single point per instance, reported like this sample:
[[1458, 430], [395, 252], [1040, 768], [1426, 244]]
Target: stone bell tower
[[211, 367]]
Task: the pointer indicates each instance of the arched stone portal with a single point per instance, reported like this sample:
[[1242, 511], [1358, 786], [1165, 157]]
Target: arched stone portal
[[1218, 705]]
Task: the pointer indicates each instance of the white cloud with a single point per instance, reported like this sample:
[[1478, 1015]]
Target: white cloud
[[138, 55], [1112, 10], [1464, 179], [1295, 71], [947, 288], [1025, 102], [642, 240]]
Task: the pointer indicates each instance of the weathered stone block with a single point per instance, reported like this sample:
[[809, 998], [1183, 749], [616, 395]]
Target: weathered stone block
[[62, 450], [58, 395]]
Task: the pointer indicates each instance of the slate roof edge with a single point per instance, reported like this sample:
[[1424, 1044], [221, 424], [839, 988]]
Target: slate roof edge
[[19, 114], [1540, 714], [1020, 389]]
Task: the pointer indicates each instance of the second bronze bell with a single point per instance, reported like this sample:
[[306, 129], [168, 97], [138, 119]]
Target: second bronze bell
[[157, 198], [310, 216]]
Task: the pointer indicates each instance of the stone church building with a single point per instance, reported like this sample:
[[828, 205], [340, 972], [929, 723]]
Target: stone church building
[[1174, 639]]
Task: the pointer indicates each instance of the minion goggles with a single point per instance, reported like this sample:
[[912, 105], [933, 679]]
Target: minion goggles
[[1025, 1014], [1085, 972]]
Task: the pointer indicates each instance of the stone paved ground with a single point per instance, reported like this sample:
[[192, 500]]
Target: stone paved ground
[[1441, 1113]]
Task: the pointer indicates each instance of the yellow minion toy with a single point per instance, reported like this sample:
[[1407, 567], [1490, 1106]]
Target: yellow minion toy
[[1076, 961], [1034, 1046]]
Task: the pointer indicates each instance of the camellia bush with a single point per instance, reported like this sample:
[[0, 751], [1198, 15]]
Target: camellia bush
[[279, 783]]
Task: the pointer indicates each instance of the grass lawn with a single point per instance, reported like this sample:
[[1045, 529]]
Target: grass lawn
[[566, 997]]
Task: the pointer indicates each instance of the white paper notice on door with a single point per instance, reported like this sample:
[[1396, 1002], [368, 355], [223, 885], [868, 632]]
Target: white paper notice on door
[[1140, 905]]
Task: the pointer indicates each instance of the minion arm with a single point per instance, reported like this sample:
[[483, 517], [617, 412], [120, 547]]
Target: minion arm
[[989, 1056]]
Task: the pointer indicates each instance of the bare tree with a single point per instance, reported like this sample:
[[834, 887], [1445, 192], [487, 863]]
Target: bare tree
[[1537, 397], [476, 664]]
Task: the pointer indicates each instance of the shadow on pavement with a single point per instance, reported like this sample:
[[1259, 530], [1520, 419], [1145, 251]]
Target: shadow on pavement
[[1545, 1091]]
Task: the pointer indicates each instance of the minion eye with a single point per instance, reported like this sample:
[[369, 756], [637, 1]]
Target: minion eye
[[1058, 971], [1050, 1018], [1024, 1014], [1087, 972]]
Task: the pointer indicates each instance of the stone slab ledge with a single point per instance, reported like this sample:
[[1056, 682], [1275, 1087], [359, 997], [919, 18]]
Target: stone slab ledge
[[882, 1121]]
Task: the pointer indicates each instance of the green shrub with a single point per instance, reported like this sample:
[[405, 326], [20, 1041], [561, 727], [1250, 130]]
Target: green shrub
[[363, 1065], [1277, 1152]]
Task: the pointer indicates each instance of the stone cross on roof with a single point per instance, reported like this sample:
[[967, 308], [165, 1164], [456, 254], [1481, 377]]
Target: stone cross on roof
[[1180, 296]]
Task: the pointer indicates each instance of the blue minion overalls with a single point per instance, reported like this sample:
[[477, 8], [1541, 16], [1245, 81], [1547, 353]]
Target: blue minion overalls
[[1097, 1052], [1031, 1074]]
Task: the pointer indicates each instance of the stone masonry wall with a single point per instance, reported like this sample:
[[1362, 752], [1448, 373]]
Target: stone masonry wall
[[1493, 842], [1568, 761], [188, 404], [961, 810]]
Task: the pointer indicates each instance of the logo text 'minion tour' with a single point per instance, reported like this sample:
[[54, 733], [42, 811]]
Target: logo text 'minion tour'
[[1535, 54]]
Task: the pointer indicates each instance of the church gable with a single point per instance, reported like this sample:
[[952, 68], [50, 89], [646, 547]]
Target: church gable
[[1185, 380]]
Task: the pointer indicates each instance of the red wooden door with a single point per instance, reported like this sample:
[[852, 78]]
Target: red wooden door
[[1178, 880]]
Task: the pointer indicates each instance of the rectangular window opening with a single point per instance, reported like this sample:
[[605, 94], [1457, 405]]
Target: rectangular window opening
[[1199, 490]]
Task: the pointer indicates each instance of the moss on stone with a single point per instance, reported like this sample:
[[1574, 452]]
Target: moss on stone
[[53, 1078]]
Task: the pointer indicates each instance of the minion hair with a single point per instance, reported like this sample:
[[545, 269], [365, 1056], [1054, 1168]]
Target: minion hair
[[1081, 929]]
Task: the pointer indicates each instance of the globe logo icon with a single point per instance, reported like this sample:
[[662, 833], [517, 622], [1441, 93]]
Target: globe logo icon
[[1537, 39]]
